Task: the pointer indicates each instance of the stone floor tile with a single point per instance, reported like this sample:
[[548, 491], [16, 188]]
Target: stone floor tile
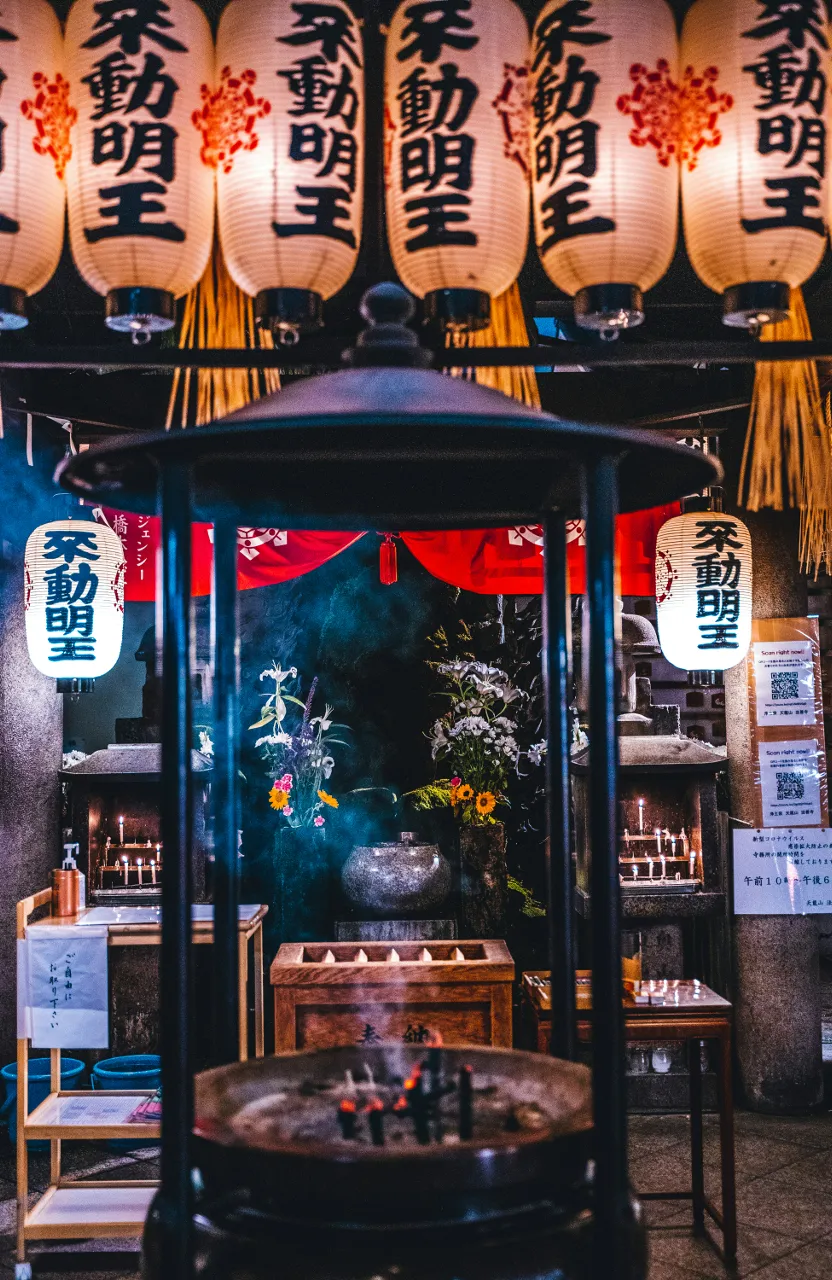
[[756, 1156], [810, 1262], [804, 1131], [777, 1203], [676, 1245]]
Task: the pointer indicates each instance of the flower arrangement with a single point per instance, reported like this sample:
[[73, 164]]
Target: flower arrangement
[[297, 750]]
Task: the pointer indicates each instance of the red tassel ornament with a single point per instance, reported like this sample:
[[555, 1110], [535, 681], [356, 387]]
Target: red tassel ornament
[[388, 561]]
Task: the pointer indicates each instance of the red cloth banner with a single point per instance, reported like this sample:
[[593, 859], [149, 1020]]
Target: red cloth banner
[[487, 561], [266, 556]]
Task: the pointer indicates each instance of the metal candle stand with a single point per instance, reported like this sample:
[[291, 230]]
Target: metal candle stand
[[389, 444]]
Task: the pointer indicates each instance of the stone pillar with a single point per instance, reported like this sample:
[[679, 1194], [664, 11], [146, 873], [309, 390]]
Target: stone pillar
[[777, 995]]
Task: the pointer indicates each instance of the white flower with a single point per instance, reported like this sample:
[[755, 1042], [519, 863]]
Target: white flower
[[206, 744], [276, 673], [537, 752], [325, 720], [275, 740]]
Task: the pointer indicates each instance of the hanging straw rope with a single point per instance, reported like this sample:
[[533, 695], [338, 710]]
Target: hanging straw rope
[[787, 460], [218, 314], [507, 329]]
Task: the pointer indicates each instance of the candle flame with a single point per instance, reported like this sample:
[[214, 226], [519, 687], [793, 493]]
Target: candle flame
[[347, 1106]]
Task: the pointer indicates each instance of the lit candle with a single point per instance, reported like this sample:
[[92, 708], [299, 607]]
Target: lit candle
[[635, 873], [684, 839], [658, 839], [650, 866], [159, 854], [664, 866], [641, 816], [126, 862], [121, 830], [673, 846], [152, 871], [692, 861], [139, 865]]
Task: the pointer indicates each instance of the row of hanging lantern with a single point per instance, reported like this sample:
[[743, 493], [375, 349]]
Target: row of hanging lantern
[[598, 117]]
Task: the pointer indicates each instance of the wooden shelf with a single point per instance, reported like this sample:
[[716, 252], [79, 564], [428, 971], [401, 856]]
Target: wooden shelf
[[83, 1211], [90, 1116]]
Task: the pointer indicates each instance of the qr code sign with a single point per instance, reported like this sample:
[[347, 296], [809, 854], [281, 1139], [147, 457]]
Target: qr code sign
[[784, 686], [790, 786]]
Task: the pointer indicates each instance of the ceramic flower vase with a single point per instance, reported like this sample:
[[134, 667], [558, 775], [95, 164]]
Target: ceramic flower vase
[[483, 881]]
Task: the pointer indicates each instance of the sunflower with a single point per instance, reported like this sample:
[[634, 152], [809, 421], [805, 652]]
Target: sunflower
[[454, 795], [465, 792], [486, 802], [328, 799], [278, 798]]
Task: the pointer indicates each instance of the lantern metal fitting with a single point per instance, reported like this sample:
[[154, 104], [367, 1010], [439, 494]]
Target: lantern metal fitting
[[12, 308], [140, 312], [464, 310], [609, 308], [750, 306], [289, 312]]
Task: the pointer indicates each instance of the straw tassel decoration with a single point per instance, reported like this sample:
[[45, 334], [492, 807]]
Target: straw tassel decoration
[[218, 314], [507, 329], [787, 460]]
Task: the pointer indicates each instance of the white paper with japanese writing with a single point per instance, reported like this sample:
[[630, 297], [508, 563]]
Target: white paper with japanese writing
[[784, 680], [66, 1005], [783, 872], [790, 783]]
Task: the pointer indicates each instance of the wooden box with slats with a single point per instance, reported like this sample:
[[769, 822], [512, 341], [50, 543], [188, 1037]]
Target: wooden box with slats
[[343, 993]]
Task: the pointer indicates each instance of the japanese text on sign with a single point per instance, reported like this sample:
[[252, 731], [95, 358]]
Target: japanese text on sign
[[783, 872], [565, 133], [62, 988], [790, 783], [787, 45], [324, 82], [718, 568], [784, 678], [133, 91]]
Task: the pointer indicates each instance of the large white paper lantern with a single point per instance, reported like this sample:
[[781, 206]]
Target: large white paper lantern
[[703, 590], [74, 598], [141, 199], [457, 152], [604, 145], [284, 127], [754, 186], [34, 146]]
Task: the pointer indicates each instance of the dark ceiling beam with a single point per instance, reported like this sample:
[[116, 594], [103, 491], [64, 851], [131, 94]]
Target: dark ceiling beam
[[320, 355]]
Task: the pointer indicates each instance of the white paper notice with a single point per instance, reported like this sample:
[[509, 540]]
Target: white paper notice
[[67, 999], [784, 677], [790, 783], [783, 872]]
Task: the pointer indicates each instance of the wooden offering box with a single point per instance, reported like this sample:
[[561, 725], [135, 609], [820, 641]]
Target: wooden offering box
[[344, 993]]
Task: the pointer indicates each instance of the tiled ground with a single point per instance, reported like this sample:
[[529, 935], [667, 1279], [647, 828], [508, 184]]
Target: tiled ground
[[784, 1181]]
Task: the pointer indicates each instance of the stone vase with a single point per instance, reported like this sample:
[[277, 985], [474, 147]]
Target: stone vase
[[483, 881], [303, 885]]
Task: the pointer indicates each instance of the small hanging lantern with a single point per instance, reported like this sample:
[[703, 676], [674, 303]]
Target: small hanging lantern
[[34, 146], [457, 153], [74, 598], [703, 590], [141, 199], [604, 153], [284, 127], [754, 186]]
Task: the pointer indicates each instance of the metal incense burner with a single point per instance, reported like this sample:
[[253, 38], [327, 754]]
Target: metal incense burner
[[388, 444]]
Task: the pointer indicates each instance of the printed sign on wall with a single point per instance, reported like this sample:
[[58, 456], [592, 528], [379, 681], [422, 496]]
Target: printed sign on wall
[[783, 872]]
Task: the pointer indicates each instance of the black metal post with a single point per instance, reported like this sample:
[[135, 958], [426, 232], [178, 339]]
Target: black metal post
[[556, 691], [374, 237], [612, 1210], [226, 648], [174, 1201]]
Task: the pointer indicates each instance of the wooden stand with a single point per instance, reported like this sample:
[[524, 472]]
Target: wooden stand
[[79, 1210], [691, 1012], [320, 1003]]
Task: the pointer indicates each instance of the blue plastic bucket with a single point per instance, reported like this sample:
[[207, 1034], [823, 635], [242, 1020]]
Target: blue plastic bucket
[[39, 1075], [132, 1071]]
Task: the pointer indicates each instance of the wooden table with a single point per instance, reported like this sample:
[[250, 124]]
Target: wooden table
[[689, 1012]]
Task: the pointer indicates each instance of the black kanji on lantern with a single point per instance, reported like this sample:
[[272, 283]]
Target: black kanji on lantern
[[798, 202], [325, 207], [117, 86], [788, 78], [328, 25], [317, 90], [561, 216], [129, 22], [568, 24], [794, 19], [431, 161], [428, 104], [333, 149], [433, 25], [798, 137], [437, 220], [718, 570], [152, 144], [64, 587], [6, 35], [128, 211], [69, 544]]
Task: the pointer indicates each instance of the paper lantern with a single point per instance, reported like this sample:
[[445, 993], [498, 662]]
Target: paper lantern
[[74, 598], [605, 141], [703, 590], [34, 145], [141, 200], [754, 185], [284, 128], [457, 153]]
